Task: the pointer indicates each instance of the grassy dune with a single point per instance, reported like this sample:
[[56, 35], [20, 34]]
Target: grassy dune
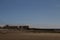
[[29, 36]]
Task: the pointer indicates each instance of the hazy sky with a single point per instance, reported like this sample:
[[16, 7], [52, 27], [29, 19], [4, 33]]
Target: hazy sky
[[35, 12]]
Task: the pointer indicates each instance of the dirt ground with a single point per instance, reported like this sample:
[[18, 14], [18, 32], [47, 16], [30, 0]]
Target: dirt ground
[[29, 36]]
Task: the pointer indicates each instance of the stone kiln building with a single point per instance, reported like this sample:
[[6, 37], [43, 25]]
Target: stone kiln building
[[22, 27]]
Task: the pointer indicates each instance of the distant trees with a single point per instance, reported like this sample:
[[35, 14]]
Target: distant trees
[[0, 27], [5, 27], [10, 27]]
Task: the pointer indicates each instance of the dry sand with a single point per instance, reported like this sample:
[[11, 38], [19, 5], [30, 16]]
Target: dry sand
[[29, 36]]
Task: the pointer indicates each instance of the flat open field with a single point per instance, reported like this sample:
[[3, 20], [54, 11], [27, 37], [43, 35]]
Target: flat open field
[[29, 36]]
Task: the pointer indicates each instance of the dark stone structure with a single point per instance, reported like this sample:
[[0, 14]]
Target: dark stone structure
[[16, 27], [24, 27]]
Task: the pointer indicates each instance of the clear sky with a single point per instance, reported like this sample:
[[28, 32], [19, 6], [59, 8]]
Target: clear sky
[[35, 12]]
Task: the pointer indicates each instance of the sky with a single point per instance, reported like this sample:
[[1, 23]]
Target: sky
[[39, 13]]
